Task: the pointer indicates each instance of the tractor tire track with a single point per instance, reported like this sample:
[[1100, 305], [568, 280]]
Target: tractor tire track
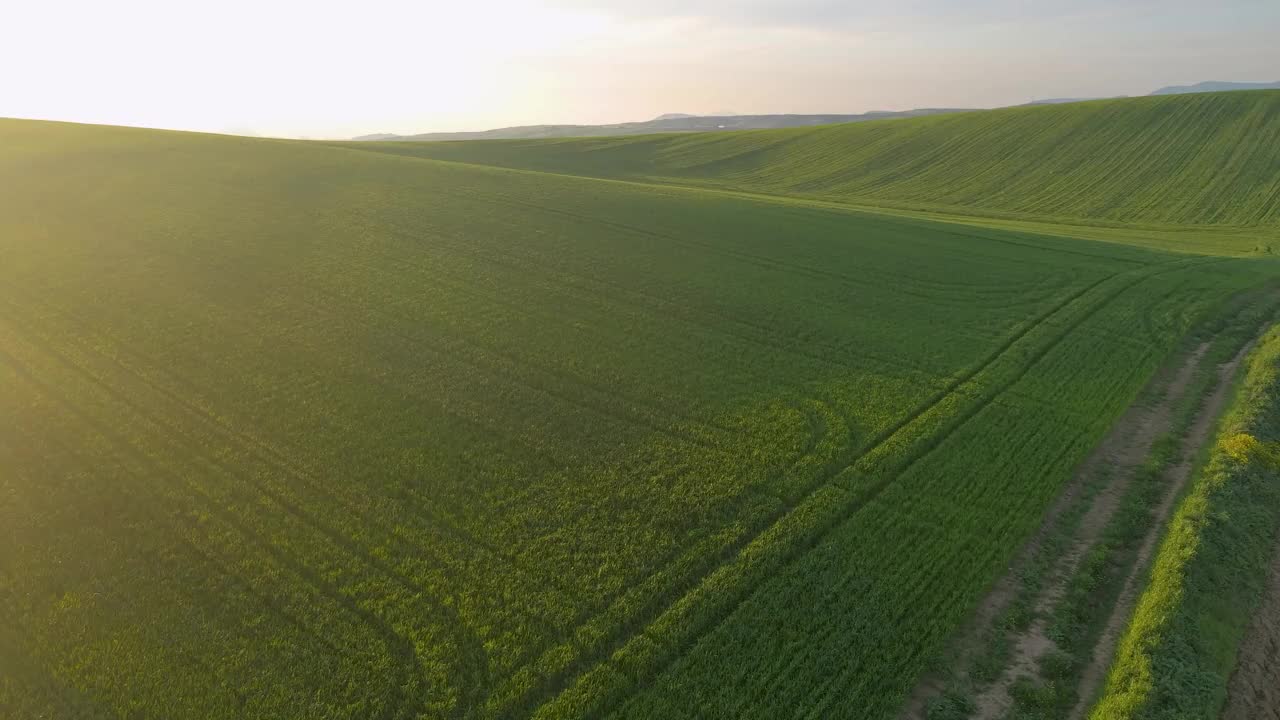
[[1135, 435], [856, 499], [1176, 479], [398, 647]]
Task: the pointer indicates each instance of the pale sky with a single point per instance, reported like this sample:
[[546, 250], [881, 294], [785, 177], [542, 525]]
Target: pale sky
[[322, 68]]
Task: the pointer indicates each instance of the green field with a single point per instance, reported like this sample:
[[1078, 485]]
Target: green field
[[300, 430], [1192, 172]]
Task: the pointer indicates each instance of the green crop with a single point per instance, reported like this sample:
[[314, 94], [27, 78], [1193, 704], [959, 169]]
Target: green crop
[[1141, 169], [296, 430]]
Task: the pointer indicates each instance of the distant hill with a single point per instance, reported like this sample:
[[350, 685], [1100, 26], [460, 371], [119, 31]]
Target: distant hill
[[1215, 86], [1107, 160], [1063, 101], [672, 122], [1055, 101], [1210, 86]]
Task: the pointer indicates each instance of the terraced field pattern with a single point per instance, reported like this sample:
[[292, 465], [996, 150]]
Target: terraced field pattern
[[306, 430]]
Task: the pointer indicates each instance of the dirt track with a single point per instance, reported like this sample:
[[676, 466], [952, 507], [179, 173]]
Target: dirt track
[[1033, 644], [1126, 445], [1176, 480]]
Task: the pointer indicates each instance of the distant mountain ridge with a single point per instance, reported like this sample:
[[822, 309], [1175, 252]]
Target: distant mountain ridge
[[1204, 87], [1215, 86], [672, 122], [1061, 101]]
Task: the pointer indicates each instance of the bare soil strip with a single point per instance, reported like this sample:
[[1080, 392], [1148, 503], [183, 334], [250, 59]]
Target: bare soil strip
[[1033, 644], [1254, 690], [1176, 480], [1126, 446]]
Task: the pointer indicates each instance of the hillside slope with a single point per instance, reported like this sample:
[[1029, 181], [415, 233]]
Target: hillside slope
[[1209, 160], [296, 431]]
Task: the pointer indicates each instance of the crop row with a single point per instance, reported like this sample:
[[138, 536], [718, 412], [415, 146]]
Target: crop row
[[335, 434], [1205, 159], [859, 591]]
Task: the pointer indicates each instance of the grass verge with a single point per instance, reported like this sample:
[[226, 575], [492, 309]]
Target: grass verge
[[1177, 654]]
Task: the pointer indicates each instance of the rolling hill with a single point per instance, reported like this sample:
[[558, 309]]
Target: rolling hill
[[1208, 161], [298, 429]]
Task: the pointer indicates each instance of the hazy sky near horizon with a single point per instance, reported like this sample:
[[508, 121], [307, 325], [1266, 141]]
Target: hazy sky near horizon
[[335, 69]]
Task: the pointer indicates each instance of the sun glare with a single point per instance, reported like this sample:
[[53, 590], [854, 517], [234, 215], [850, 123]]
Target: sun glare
[[281, 68]]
